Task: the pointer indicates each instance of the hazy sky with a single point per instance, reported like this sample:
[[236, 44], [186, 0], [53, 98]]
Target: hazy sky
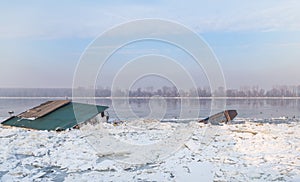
[[256, 42]]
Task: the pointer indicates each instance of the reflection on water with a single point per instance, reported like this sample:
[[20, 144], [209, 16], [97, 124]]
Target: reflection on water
[[266, 108], [247, 108]]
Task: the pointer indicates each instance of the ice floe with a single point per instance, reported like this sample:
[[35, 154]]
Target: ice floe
[[245, 150]]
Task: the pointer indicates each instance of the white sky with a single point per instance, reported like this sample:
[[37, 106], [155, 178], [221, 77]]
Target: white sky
[[256, 42]]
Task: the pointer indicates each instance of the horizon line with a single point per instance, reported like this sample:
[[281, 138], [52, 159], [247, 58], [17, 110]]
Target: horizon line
[[160, 97]]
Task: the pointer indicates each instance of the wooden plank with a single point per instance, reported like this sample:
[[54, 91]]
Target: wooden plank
[[43, 109]]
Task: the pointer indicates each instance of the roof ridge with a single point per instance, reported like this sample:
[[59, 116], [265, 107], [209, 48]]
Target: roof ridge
[[43, 109]]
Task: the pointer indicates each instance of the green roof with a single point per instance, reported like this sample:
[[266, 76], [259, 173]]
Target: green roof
[[62, 118]]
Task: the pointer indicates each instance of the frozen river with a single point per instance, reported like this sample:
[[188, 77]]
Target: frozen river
[[262, 144]]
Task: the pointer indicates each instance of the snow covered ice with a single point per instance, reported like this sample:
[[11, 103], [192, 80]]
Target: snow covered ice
[[250, 150]]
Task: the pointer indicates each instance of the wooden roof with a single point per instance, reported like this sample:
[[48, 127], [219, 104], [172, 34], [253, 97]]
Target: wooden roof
[[48, 118], [43, 109]]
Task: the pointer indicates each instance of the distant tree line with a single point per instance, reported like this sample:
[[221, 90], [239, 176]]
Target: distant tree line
[[165, 91], [35, 92]]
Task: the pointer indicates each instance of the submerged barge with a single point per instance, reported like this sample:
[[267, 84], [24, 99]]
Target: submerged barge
[[57, 115]]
